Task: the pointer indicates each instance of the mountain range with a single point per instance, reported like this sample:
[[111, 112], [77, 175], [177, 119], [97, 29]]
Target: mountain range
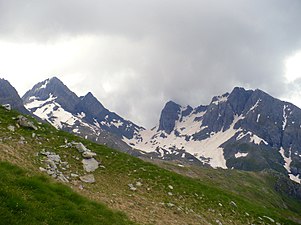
[[85, 116], [244, 129]]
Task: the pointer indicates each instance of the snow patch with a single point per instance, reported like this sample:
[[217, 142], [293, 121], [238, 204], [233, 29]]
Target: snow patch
[[44, 85], [295, 178], [81, 115], [254, 106], [220, 99], [31, 98], [188, 125], [38, 103], [253, 138], [96, 123], [258, 116], [287, 160], [117, 123], [53, 112], [240, 154], [284, 122], [150, 140]]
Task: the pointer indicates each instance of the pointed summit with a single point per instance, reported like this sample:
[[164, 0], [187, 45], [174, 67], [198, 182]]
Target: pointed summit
[[91, 106], [52, 87]]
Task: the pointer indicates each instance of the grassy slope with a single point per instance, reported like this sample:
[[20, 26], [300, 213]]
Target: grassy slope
[[26, 199], [204, 199]]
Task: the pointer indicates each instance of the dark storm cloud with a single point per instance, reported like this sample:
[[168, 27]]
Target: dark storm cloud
[[186, 51]]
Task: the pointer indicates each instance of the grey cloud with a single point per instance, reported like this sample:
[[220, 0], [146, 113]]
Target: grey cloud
[[186, 51]]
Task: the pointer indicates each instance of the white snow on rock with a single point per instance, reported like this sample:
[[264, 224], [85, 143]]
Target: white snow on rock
[[254, 106], [253, 138], [54, 113], [209, 148], [258, 116], [284, 122], [117, 123], [38, 103], [287, 160], [295, 178], [96, 123], [44, 85], [240, 154], [220, 99], [188, 125], [81, 115]]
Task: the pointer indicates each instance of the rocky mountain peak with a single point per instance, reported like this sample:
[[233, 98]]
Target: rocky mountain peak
[[9, 95], [91, 106], [243, 129], [169, 115], [52, 88]]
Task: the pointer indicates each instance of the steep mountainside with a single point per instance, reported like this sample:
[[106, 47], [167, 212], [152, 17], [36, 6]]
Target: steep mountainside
[[146, 193], [85, 116], [9, 95], [246, 129]]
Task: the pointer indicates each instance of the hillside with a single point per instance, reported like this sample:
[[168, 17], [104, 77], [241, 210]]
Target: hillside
[[146, 193], [28, 199]]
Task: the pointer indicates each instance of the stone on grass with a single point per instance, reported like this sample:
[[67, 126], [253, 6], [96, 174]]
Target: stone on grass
[[89, 178], [233, 204], [11, 128], [218, 222], [54, 157], [132, 187], [42, 169], [90, 165], [138, 184], [170, 205], [24, 122], [62, 178], [88, 154], [51, 163], [7, 107], [80, 147]]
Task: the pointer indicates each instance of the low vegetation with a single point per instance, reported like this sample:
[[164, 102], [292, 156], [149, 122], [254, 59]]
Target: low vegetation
[[145, 192]]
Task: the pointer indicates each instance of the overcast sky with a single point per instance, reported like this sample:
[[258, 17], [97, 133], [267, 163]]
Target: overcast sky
[[135, 55]]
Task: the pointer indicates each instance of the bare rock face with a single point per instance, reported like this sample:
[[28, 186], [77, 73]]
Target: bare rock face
[[89, 178], [90, 165], [169, 115], [9, 96]]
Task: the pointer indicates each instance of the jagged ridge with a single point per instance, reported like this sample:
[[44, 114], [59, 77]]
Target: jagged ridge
[[245, 129], [53, 101]]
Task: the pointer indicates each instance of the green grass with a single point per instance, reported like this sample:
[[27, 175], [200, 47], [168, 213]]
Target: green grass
[[28, 199], [201, 199]]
